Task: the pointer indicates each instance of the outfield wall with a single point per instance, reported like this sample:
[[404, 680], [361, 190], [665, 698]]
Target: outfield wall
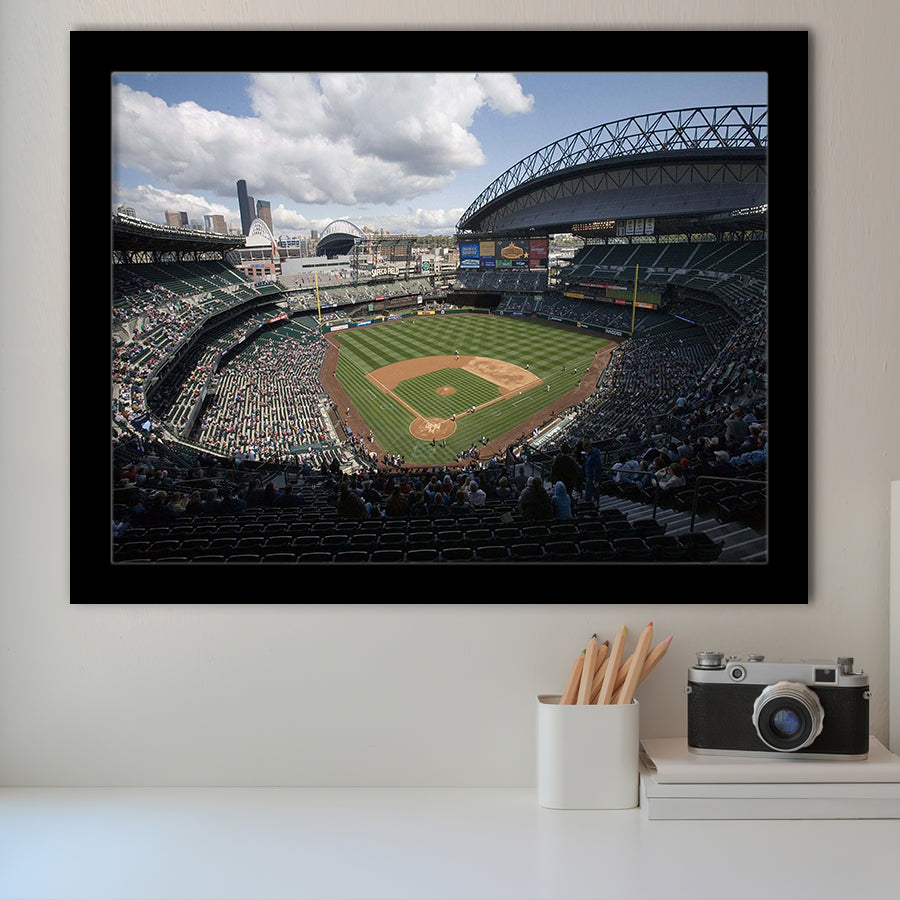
[[327, 328], [377, 320]]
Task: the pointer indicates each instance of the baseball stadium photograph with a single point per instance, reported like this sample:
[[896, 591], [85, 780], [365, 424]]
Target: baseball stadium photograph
[[517, 322]]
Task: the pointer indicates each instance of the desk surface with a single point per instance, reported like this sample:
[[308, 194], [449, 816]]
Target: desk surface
[[415, 843]]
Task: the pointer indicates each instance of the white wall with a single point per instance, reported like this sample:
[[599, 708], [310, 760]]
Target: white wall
[[435, 695]]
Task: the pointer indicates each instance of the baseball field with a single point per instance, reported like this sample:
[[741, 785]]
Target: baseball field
[[429, 387]]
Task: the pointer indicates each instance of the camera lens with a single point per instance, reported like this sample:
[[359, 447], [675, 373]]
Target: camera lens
[[788, 716], [785, 722]]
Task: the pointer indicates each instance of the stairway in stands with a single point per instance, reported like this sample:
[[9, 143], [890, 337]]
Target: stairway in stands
[[740, 542]]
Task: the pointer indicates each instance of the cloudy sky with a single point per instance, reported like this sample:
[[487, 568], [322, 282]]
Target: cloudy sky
[[407, 152]]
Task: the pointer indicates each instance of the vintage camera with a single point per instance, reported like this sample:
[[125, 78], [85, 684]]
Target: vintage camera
[[750, 707]]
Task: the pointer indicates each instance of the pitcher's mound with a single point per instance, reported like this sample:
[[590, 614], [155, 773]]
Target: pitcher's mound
[[432, 429]]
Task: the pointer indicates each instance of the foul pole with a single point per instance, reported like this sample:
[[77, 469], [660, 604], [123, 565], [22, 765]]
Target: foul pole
[[634, 300], [319, 305]]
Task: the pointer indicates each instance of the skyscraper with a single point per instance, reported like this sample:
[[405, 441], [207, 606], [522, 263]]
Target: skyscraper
[[264, 212], [176, 219], [244, 206], [215, 224]]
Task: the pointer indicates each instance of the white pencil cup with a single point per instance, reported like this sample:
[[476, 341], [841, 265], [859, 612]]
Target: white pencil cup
[[587, 755]]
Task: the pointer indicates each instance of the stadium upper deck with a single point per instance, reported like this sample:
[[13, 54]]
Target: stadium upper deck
[[677, 168]]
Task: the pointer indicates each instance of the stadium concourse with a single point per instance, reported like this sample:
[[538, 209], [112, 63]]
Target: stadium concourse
[[227, 447]]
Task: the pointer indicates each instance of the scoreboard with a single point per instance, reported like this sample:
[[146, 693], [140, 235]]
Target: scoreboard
[[505, 253]]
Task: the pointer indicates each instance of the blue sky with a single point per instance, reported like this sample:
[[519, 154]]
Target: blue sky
[[406, 152]]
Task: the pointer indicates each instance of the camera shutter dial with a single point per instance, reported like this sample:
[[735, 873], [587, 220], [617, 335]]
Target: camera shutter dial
[[788, 716], [709, 659]]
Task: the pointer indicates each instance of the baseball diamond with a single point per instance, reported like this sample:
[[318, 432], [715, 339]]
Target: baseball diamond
[[503, 377]]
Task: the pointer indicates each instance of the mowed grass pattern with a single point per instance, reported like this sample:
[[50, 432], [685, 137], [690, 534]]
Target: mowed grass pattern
[[559, 357], [421, 393]]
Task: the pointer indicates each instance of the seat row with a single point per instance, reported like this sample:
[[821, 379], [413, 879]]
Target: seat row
[[390, 535], [448, 547], [611, 526]]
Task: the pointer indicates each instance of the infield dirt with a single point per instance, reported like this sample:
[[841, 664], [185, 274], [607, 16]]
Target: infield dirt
[[506, 376]]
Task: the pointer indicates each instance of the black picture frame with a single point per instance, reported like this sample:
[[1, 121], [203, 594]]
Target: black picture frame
[[783, 55]]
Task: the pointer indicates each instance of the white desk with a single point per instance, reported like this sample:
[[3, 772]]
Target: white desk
[[420, 844]]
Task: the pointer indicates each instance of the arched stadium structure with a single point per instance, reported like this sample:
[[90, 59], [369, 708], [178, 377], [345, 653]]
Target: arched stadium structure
[[339, 237], [221, 386]]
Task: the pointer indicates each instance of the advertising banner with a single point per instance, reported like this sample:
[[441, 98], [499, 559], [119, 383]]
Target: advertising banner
[[538, 251], [505, 253]]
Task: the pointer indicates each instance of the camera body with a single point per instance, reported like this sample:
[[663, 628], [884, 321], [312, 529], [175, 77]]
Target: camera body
[[750, 707]]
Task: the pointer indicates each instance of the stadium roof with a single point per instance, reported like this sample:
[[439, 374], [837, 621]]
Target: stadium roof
[[338, 238], [704, 163], [132, 236]]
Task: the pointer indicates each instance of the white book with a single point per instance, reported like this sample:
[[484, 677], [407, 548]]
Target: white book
[[674, 763], [842, 804], [676, 784]]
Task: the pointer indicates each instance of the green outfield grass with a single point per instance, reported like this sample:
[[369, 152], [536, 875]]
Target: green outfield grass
[[552, 354]]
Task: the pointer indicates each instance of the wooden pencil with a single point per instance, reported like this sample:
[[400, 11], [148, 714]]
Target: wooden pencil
[[638, 658], [599, 671], [612, 667], [574, 682], [653, 658], [587, 671]]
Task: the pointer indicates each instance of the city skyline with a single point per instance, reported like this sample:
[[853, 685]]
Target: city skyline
[[404, 152]]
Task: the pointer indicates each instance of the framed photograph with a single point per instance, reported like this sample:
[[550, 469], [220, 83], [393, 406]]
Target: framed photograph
[[521, 326]]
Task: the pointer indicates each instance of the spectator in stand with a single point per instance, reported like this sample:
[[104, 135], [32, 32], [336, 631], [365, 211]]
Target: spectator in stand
[[626, 469], [372, 496], [460, 505], [722, 467], [212, 502], [194, 505], [270, 494], [685, 449], [520, 480], [254, 493], [178, 502], [503, 491], [231, 504], [736, 428], [349, 504], [156, 512], [671, 478], [566, 470], [752, 459], [288, 499], [396, 506], [561, 502], [592, 473], [476, 496], [534, 501], [439, 507], [418, 506]]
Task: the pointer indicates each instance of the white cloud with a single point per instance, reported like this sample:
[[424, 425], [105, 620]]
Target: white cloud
[[150, 203], [352, 139]]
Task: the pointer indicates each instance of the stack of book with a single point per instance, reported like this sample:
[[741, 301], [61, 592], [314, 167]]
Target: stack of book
[[678, 784]]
